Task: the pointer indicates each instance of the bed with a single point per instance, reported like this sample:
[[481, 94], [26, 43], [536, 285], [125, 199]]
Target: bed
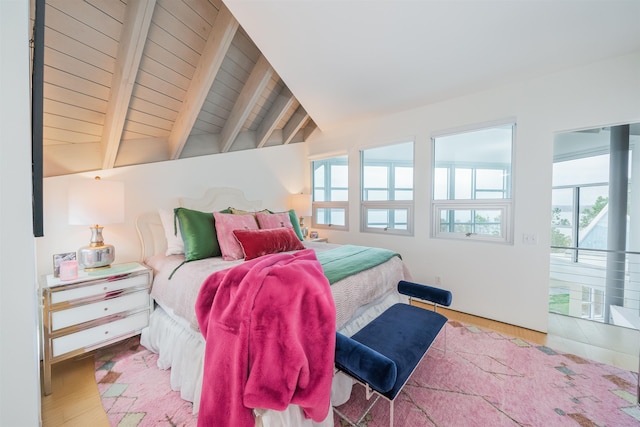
[[173, 332]]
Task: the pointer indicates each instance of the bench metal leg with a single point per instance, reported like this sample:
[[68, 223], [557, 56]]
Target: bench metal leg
[[364, 414], [417, 339], [369, 392]]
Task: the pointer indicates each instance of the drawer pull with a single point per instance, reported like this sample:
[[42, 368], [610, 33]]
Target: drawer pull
[[113, 294], [106, 332], [106, 309]]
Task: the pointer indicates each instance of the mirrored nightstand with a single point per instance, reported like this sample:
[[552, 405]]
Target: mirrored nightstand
[[96, 309]]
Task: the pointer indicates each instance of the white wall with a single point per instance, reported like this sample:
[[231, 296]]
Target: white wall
[[268, 174], [503, 282], [19, 381]]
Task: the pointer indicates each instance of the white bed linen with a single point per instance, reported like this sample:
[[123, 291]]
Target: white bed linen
[[180, 292], [173, 332]]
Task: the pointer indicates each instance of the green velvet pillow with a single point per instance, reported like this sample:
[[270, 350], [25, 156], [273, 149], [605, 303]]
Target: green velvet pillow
[[198, 233], [295, 222]]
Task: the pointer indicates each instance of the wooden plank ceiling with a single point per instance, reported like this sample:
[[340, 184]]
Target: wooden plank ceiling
[[137, 81]]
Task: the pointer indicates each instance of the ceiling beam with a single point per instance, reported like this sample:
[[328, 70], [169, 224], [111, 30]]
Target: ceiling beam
[[253, 88], [309, 129], [279, 108], [218, 42], [294, 124], [134, 35]]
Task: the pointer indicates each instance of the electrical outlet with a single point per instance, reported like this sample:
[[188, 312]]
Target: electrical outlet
[[438, 281], [530, 238]]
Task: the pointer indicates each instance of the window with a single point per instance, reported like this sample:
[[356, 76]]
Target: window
[[592, 303], [472, 178], [387, 189], [330, 193], [580, 196]]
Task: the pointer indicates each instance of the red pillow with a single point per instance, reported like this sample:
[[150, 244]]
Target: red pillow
[[256, 243]]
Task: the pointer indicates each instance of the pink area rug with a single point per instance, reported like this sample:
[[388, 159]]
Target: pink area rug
[[483, 379], [135, 392]]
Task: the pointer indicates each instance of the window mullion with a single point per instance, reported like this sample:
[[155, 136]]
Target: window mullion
[[576, 221], [474, 187], [452, 196]]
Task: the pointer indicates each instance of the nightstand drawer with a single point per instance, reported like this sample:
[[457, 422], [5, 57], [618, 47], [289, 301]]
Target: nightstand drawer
[[76, 293], [96, 335], [85, 313]]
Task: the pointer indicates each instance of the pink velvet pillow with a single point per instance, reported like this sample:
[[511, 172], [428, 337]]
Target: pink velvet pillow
[[256, 243], [274, 220], [225, 224]]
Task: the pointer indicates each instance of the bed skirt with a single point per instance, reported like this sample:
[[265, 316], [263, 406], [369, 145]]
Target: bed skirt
[[181, 349]]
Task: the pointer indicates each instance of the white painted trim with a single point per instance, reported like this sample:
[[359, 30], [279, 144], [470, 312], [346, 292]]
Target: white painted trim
[[503, 205], [328, 155], [388, 142], [330, 205], [407, 205], [474, 126]]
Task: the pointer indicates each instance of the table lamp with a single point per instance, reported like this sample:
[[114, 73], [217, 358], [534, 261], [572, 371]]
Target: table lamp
[[96, 203], [301, 204]]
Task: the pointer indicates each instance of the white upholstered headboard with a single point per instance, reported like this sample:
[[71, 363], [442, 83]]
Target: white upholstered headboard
[[149, 226]]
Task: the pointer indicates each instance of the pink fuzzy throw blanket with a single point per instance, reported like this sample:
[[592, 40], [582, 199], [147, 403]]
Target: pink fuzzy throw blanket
[[269, 326]]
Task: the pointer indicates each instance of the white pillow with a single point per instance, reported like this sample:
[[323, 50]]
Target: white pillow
[[175, 244]]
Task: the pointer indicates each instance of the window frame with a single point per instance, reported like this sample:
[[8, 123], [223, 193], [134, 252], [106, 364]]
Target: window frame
[[390, 205], [576, 190], [595, 308], [317, 205], [505, 206]]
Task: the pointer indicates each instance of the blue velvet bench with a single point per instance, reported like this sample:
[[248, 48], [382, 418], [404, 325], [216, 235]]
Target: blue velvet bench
[[383, 355]]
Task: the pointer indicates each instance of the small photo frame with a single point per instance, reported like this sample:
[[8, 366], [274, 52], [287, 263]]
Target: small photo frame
[[313, 234], [59, 258]]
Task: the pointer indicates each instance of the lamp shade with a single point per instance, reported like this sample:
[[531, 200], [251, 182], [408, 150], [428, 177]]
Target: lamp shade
[[301, 204], [96, 201]]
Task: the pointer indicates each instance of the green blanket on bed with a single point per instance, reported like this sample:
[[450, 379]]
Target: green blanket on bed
[[347, 260]]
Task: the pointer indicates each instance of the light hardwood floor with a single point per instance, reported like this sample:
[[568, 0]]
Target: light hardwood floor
[[75, 400]]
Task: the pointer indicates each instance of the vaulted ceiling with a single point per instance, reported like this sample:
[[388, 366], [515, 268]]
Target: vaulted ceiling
[[349, 60], [139, 81]]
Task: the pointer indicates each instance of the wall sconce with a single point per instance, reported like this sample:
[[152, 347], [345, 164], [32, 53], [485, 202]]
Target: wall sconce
[[301, 204], [96, 203]]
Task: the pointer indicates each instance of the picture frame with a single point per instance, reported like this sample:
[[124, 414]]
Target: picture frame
[[59, 258], [313, 235]]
